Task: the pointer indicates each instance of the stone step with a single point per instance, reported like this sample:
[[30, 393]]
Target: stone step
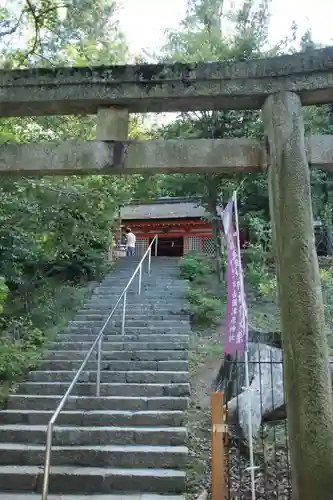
[[172, 322], [136, 309], [93, 436], [161, 297], [138, 316], [154, 300], [147, 307], [132, 330], [119, 346], [125, 456], [138, 377], [95, 418], [148, 284], [137, 326], [47, 402], [164, 337], [141, 314], [115, 496], [164, 290], [73, 479], [115, 365], [133, 355], [107, 390]]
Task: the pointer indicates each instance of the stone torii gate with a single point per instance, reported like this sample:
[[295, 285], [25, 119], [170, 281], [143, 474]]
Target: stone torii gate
[[279, 86]]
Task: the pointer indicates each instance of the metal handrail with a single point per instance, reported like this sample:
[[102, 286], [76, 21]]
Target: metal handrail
[[97, 342]]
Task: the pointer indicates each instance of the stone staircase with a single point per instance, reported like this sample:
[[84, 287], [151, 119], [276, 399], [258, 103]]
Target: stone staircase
[[132, 439]]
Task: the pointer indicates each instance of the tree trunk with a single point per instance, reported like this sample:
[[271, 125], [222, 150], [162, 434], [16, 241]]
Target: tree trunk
[[212, 202], [306, 363]]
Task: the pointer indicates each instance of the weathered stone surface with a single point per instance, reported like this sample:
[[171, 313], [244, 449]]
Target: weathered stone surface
[[174, 418], [124, 456], [56, 365], [177, 87], [112, 376], [90, 436], [107, 389], [266, 392], [112, 124], [308, 383], [70, 479], [197, 155]]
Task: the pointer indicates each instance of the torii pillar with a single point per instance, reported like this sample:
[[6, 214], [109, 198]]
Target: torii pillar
[[306, 363]]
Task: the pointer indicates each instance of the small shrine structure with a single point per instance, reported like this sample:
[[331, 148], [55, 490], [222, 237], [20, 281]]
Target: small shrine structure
[[182, 226]]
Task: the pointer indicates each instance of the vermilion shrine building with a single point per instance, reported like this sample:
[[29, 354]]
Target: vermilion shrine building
[[182, 226]]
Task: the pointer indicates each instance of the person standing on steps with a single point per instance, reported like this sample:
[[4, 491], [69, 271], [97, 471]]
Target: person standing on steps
[[130, 243]]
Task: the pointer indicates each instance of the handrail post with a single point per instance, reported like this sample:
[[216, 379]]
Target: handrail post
[[99, 360], [140, 278], [47, 462], [124, 314], [149, 260], [156, 243]]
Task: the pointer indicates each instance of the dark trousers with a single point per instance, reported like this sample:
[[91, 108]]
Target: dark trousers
[[130, 251]]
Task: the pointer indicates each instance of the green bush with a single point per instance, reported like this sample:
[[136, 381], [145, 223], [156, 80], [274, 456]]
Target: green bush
[[23, 337], [255, 274], [204, 309], [16, 359], [268, 286], [194, 265]]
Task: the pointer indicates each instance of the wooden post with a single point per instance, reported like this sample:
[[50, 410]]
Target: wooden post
[[306, 363], [218, 446]]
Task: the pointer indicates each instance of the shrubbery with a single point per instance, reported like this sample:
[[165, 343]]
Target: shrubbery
[[195, 265], [204, 306], [204, 309]]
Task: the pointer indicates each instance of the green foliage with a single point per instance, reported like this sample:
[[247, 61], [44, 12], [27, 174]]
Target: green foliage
[[204, 309], [75, 32], [55, 232], [255, 273], [205, 306], [260, 234], [23, 337], [194, 265], [258, 252], [268, 286], [17, 358], [202, 37], [3, 292], [258, 274]]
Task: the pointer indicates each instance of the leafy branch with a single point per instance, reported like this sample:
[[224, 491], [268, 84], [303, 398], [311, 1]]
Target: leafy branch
[[39, 13]]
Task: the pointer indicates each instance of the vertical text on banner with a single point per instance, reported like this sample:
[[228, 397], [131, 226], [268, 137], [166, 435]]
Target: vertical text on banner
[[236, 334]]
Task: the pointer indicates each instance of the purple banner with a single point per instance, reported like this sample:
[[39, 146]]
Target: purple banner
[[236, 324]]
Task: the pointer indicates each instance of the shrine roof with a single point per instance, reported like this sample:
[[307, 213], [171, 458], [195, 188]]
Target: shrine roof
[[163, 209]]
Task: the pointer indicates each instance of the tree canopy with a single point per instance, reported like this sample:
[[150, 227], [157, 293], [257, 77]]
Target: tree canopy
[[56, 230]]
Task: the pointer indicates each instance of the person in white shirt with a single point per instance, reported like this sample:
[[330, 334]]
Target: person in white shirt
[[130, 243]]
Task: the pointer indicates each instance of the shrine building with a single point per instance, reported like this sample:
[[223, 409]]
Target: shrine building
[[181, 225]]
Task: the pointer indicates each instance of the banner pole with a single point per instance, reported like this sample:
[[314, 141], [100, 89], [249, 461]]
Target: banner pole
[[246, 357]]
